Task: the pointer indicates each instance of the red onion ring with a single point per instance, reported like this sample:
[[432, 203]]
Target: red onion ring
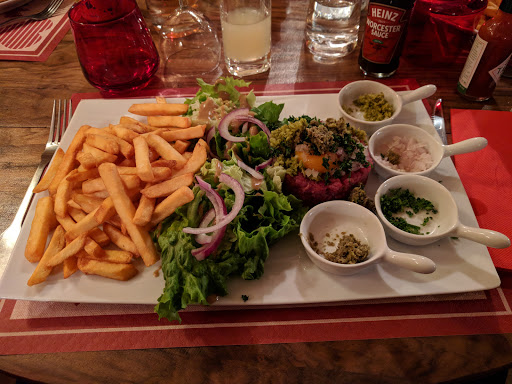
[[264, 165], [248, 169], [205, 221], [259, 123], [237, 206], [227, 120]]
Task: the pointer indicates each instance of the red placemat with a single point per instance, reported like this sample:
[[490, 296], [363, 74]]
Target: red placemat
[[33, 40], [38, 327], [487, 174]]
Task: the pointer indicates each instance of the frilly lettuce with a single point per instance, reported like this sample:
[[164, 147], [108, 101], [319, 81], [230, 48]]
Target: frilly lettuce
[[265, 217]]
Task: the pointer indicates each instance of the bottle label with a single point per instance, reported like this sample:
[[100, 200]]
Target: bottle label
[[384, 27], [474, 57], [498, 71]]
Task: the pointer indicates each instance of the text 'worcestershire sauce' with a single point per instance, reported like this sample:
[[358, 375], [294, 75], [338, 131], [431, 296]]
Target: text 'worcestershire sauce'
[[384, 36]]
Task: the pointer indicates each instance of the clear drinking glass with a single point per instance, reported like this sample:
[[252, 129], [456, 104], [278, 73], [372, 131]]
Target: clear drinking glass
[[246, 31], [190, 44], [332, 28], [113, 44]]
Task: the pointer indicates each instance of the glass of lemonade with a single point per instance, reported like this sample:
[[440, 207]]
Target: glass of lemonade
[[246, 29]]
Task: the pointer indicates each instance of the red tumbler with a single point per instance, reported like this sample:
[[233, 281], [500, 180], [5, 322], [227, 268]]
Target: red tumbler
[[114, 45]]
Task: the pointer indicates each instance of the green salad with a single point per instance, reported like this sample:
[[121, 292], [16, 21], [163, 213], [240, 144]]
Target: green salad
[[196, 266]]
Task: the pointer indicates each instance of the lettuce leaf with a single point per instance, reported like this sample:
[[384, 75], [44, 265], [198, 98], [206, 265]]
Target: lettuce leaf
[[226, 85], [265, 217], [269, 113]]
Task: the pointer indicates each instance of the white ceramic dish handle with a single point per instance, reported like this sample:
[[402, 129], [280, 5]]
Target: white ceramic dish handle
[[486, 237], [419, 94], [410, 261], [466, 146]]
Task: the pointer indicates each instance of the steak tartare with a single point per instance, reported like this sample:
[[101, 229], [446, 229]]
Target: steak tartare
[[323, 160]]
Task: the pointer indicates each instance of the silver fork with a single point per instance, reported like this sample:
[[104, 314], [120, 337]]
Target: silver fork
[[46, 13], [60, 118]]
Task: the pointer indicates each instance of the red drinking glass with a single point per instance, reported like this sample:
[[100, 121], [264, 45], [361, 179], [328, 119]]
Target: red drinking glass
[[113, 44]]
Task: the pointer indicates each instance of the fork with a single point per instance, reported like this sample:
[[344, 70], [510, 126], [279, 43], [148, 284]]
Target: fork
[[46, 13], [60, 118]]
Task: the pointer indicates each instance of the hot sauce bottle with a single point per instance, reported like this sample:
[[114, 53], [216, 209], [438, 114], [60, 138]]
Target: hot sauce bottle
[[384, 36], [488, 57]]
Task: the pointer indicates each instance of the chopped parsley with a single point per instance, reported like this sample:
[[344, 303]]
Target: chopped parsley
[[397, 201], [245, 298]]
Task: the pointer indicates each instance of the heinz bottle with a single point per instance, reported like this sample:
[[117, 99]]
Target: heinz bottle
[[384, 36], [489, 56]]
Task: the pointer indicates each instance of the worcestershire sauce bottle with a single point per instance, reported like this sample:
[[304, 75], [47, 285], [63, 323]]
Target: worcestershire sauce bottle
[[384, 36]]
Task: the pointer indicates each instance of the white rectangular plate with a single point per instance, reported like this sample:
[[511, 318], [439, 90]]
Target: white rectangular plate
[[290, 277]]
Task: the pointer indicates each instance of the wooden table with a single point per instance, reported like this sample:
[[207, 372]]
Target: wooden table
[[28, 90]]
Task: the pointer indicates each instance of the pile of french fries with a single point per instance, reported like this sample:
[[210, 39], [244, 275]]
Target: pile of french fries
[[110, 188]]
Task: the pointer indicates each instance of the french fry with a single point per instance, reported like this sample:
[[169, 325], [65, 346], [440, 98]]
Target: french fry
[[196, 161], [42, 271], [44, 183], [83, 176], [127, 163], [97, 185], [99, 155], [136, 125], [120, 272], [144, 211], [169, 186], [86, 160], [184, 134], [124, 147], [106, 144], [126, 211], [160, 99], [181, 145], [69, 266], [142, 160], [167, 109], [125, 133], [164, 163], [93, 248], [87, 203], [117, 237], [67, 222], [62, 195], [110, 255], [69, 159], [72, 204], [96, 234], [167, 207], [162, 173], [69, 250], [169, 121], [166, 150], [43, 223], [82, 227]]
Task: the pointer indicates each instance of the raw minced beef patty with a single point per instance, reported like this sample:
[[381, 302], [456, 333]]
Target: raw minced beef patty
[[315, 192]]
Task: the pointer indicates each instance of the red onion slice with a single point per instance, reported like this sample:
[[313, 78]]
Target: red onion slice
[[248, 169], [205, 221], [264, 165], [227, 120], [207, 249], [259, 123], [238, 204]]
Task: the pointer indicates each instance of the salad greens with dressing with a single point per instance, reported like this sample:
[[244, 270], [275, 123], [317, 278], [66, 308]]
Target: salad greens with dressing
[[266, 216]]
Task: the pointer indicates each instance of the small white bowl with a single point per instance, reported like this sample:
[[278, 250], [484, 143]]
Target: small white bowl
[[352, 91], [444, 223], [437, 150], [338, 216]]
